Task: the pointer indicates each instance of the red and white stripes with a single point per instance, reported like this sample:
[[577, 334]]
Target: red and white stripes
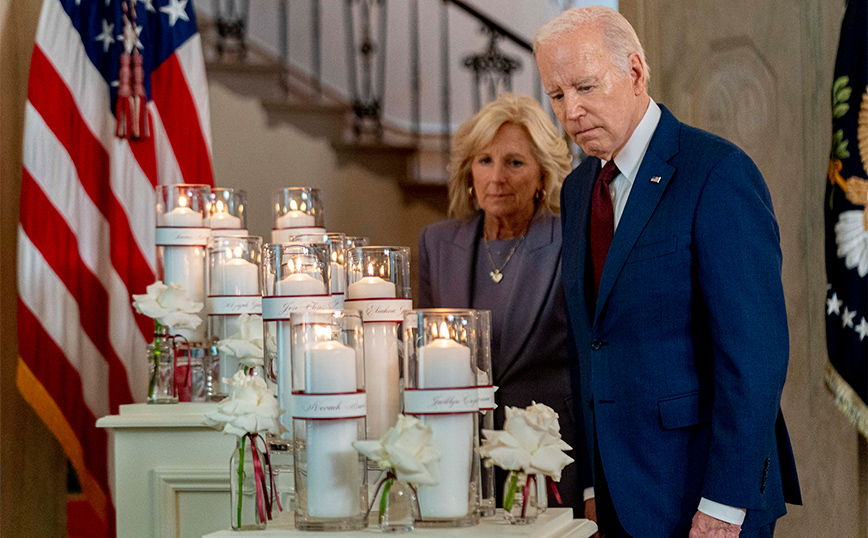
[[86, 234]]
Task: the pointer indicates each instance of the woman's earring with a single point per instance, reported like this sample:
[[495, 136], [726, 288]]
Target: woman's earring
[[471, 192], [540, 195]]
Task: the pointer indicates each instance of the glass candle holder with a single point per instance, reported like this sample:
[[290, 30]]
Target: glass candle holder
[[181, 238], [234, 289], [486, 407], [379, 288], [440, 387], [296, 211], [161, 360], [337, 243], [226, 213], [354, 241], [296, 277], [328, 385]]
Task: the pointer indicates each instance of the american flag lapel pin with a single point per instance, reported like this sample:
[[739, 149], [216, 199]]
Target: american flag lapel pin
[[655, 179]]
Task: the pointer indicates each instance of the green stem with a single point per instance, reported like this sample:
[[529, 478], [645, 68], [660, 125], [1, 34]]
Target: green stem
[[158, 340], [509, 496], [240, 480], [384, 500]]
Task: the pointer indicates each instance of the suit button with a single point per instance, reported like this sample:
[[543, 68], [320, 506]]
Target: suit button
[[596, 344]]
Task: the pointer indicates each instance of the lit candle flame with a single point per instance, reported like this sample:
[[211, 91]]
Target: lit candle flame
[[322, 332], [370, 269], [293, 205], [444, 330], [220, 208], [238, 251], [182, 201]]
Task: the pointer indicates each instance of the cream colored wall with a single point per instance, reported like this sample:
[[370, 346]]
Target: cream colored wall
[[258, 157], [32, 465]]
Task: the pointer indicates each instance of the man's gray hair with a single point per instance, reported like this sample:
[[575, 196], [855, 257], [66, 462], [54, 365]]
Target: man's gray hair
[[618, 35]]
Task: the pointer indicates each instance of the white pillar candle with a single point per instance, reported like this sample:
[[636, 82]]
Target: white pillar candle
[[445, 363], [294, 285], [236, 276], [222, 219], [295, 219], [333, 480], [182, 216], [371, 287], [185, 265], [338, 279], [381, 359]]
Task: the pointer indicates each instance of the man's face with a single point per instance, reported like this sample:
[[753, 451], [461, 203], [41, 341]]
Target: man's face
[[598, 105]]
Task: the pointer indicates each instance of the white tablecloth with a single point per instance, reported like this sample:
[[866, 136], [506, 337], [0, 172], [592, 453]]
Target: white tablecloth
[[554, 523]]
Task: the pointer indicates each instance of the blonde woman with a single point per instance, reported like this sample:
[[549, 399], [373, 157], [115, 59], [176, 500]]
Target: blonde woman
[[501, 251]]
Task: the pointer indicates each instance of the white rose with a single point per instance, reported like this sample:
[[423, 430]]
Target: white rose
[[250, 408], [530, 441], [246, 344], [407, 449], [169, 306]]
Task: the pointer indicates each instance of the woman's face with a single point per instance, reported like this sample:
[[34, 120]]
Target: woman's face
[[506, 175]]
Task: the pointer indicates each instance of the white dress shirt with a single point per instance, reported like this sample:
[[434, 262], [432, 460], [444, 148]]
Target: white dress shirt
[[628, 160]]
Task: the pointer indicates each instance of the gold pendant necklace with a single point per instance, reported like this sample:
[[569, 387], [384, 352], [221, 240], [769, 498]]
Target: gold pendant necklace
[[497, 272]]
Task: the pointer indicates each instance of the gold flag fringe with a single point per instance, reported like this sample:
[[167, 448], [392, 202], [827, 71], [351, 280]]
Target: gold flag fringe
[[846, 400]]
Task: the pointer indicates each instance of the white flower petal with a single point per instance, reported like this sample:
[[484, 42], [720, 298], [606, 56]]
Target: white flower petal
[[550, 461], [510, 459]]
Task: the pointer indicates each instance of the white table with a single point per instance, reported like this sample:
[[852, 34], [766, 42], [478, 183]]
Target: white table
[[554, 523], [171, 472], [171, 479]]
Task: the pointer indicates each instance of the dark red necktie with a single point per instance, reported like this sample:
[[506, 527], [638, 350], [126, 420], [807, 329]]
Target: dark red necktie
[[602, 221]]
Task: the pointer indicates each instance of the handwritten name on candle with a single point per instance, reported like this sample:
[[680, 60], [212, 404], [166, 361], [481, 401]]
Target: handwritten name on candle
[[234, 305], [380, 310], [440, 401], [329, 406], [280, 308], [171, 236], [486, 398]]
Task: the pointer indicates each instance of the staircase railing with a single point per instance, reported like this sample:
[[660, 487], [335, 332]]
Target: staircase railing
[[365, 30]]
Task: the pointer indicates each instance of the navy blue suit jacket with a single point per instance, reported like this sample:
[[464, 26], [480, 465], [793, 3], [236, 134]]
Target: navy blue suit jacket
[[681, 361]]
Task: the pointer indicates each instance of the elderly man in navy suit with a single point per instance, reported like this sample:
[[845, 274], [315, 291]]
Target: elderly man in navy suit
[[672, 271]]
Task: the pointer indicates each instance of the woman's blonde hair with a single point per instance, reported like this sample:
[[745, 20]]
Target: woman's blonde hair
[[549, 150]]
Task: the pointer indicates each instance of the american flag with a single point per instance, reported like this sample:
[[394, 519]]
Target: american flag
[[847, 222], [86, 235]]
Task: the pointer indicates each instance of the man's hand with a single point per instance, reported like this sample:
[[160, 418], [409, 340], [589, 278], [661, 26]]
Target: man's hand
[[591, 513], [705, 526]]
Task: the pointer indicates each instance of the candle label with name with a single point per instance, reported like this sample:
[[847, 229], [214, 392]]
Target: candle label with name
[[441, 401], [172, 236], [329, 406], [380, 310], [218, 305], [486, 398], [280, 308]]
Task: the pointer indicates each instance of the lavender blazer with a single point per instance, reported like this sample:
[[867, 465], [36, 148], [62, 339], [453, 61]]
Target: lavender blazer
[[532, 365]]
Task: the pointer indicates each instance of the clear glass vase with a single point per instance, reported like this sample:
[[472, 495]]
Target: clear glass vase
[[399, 508], [161, 357], [246, 510], [542, 494], [520, 498]]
